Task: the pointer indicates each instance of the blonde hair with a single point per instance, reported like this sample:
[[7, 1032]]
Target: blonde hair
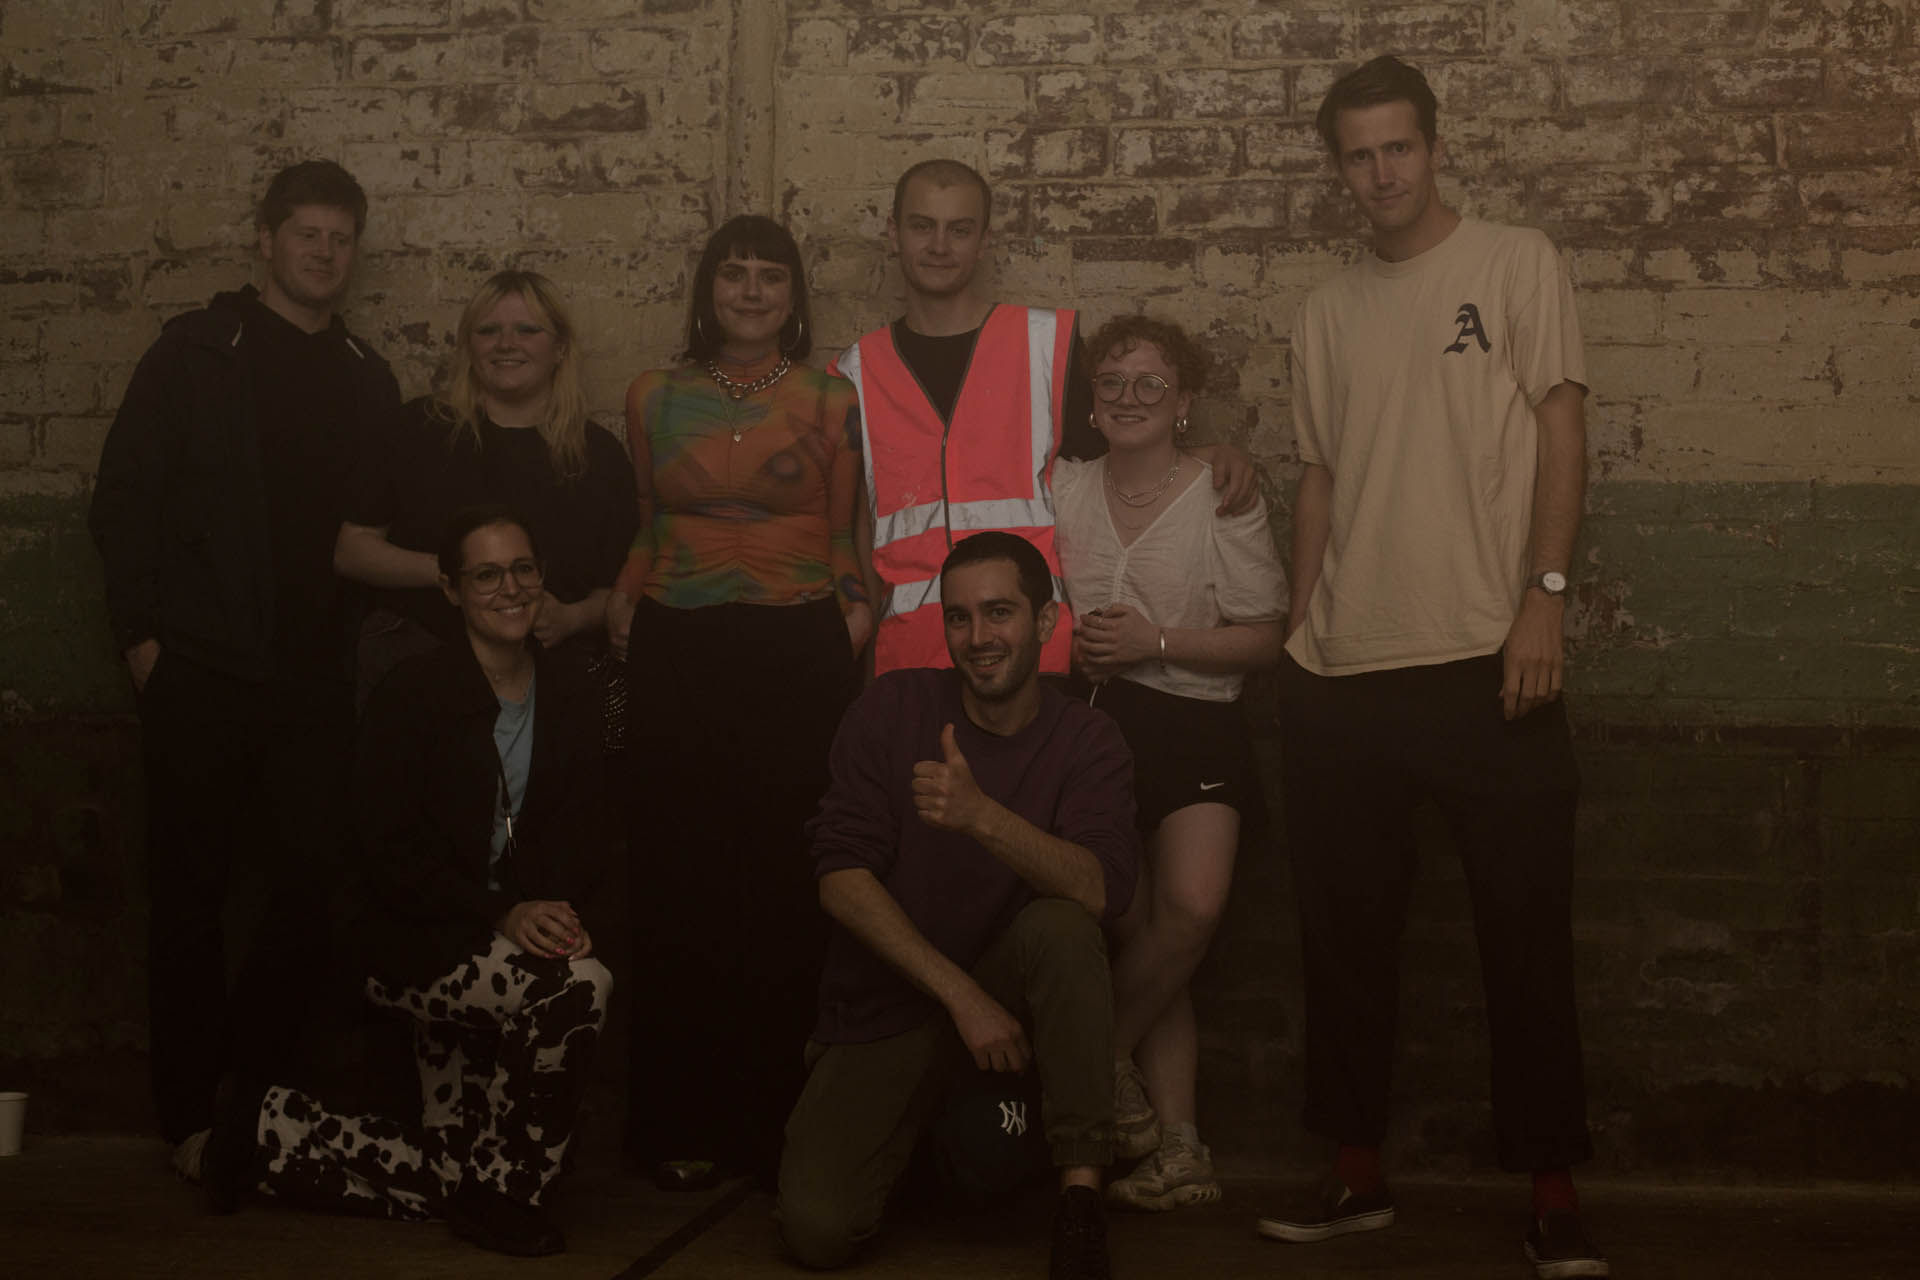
[[458, 403]]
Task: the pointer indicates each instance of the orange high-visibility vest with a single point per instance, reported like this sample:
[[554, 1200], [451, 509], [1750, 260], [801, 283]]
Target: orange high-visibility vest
[[931, 483]]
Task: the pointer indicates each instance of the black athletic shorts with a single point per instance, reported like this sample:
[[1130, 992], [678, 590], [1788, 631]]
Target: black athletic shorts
[[1185, 750]]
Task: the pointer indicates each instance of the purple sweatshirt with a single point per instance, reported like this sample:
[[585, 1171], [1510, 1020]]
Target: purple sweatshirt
[[1068, 772]]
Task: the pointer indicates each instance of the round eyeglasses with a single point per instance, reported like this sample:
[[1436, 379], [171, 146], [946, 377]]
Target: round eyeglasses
[[487, 579], [1148, 388]]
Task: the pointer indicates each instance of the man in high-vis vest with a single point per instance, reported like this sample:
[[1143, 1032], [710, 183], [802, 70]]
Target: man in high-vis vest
[[965, 402]]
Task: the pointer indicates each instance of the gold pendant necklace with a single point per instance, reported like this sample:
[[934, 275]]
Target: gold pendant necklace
[[741, 390], [1145, 497]]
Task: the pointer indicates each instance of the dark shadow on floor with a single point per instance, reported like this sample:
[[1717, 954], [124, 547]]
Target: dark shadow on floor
[[87, 1207]]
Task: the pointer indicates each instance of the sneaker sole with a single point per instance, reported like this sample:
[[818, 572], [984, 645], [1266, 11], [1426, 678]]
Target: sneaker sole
[[1314, 1232], [1189, 1193], [1566, 1268]]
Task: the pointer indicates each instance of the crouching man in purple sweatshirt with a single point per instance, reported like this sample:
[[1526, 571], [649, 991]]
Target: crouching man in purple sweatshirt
[[977, 830]]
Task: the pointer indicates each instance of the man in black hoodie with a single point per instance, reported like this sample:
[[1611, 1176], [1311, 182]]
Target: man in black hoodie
[[218, 498]]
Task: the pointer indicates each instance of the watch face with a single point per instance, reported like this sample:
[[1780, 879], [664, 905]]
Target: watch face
[[1555, 583]]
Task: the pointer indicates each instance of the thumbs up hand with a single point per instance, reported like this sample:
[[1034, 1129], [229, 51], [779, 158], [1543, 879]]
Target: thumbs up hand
[[944, 792]]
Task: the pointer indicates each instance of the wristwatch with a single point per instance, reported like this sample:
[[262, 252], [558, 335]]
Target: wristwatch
[[1549, 581]]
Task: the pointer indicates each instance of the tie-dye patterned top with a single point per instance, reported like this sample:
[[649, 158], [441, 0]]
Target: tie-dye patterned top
[[743, 501]]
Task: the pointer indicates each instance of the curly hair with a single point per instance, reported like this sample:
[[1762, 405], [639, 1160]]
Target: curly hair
[[1122, 334]]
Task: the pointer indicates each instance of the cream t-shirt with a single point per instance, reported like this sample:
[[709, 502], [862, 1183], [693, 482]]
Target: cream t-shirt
[[1190, 568], [1414, 383]]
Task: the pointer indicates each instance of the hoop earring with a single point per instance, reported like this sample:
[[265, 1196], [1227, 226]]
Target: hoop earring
[[699, 330], [799, 332]]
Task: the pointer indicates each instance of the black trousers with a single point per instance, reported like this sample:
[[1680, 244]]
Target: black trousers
[[734, 709], [1361, 752], [246, 792]]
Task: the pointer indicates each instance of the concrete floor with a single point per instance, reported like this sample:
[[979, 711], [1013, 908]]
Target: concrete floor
[[87, 1207]]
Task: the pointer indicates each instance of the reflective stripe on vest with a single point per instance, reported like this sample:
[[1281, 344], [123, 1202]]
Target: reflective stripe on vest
[[909, 596], [967, 517]]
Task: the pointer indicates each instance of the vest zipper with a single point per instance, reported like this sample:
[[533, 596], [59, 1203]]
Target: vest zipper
[[946, 419]]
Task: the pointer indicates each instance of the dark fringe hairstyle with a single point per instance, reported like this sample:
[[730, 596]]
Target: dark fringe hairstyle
[[748, 236]]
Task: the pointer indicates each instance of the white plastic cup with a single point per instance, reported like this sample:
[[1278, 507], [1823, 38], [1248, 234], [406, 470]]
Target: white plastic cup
[[13, 1122]]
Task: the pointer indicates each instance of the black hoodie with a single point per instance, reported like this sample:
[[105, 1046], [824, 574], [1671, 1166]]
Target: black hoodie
[[221, 485]]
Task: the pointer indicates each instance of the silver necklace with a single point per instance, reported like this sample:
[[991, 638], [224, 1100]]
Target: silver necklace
[[738, 391], [741, 390], [1145, 497]]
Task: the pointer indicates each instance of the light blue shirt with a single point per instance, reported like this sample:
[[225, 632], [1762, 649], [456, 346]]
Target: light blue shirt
[[513, 739]]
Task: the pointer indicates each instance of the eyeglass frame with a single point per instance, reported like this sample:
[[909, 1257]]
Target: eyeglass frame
[[1135, 383], [514, 571]]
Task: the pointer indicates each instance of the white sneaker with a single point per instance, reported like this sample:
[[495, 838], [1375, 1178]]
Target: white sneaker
[[1178, 1173], [187, 1153], [1136, 1130]]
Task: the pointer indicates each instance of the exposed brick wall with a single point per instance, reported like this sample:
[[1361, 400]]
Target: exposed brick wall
[[1733, 181], [580, 138]]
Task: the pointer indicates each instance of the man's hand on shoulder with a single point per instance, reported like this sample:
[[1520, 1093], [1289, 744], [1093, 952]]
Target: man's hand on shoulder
[[1234, 477], [1534, 655], [944, 792], [993, 1036]]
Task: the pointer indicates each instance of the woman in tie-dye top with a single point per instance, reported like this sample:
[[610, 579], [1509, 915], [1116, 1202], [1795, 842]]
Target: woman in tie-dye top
[[742, 609]]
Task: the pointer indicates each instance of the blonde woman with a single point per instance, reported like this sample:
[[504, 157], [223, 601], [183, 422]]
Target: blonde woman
[[509, 426]]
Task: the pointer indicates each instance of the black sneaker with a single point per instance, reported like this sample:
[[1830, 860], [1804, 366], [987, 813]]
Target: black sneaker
[[494, 1220], [1079, 1238], [1340, 1212], [1558, 1248], [230, 1165]]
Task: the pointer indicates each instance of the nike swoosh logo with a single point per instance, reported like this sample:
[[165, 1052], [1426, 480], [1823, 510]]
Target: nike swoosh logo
[[1208, 786]]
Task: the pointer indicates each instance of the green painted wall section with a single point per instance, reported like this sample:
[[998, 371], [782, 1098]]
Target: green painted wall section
[[56, 655], [1792, 604], [1749, 604], [1744, 689]]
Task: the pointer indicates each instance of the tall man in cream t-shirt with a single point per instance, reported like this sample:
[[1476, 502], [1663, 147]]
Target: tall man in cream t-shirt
[[1437, 391]]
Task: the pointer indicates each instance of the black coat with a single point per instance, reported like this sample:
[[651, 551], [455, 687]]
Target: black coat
[[179, 507], [426, 788]]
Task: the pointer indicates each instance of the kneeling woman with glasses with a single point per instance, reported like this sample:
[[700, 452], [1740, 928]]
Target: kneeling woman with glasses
[[477, 795], [1175, 603]]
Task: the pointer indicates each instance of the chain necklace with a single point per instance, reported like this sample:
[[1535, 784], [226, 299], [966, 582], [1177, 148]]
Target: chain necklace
[[1145, 497], [738, 391], [741, 390]]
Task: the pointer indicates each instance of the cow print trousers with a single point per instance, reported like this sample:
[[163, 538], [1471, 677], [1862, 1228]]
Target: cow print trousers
[[503, 1044]]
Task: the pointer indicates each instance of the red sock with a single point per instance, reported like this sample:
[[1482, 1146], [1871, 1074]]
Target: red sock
[[1553, 1192], [1357, 1168]]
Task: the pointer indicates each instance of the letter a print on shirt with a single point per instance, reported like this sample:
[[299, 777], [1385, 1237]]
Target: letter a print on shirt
[[1468, 318]]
